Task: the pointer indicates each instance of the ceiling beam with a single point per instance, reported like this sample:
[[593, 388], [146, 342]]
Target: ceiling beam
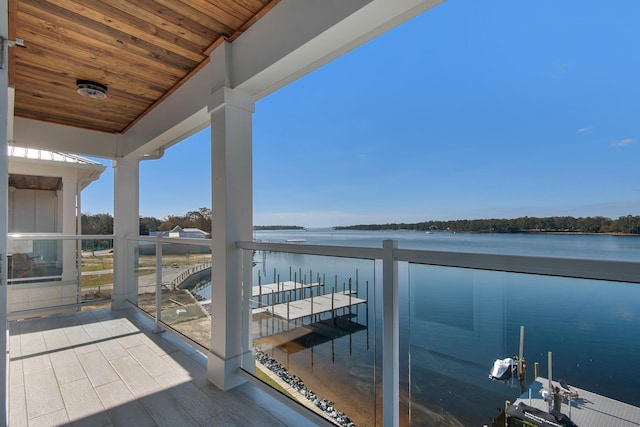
[[67, 139], [296, 38], [292, 39]]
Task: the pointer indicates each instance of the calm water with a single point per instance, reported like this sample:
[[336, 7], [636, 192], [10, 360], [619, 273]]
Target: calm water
[[456, 322]]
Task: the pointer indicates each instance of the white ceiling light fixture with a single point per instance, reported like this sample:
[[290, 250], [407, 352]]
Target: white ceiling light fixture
[[91, 89]]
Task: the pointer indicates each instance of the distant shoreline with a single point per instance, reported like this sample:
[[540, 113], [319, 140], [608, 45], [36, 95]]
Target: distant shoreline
[[624, 225], [490, 232], [277, 227]]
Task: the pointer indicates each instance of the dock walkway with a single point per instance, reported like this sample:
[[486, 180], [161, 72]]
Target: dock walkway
[[281, 287], [588, 409], [301, 308]]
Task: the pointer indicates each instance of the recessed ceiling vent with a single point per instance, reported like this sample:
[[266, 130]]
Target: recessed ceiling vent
[[91, 89]]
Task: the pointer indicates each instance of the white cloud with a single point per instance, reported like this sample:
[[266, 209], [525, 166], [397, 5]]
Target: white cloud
[[623, 142], [582, 130]]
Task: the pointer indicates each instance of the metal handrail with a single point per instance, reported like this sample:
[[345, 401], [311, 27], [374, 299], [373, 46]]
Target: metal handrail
[[179, 240], [579, 268], [59, 236]]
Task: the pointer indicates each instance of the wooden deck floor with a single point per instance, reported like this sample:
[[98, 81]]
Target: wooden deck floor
[[588, 409], [106, 368]]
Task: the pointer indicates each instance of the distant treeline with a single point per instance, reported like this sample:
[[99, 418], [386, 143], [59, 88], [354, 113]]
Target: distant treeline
[[555, 224], [277, 227], [103, 223]]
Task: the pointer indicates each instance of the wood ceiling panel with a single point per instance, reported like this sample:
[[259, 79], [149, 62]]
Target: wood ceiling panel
[[33, 182], [142, 50], [69, 98], [83, 59], [60, 87], [214, 11], [198, 21], [102, 13], [168, 20], [103, 38]]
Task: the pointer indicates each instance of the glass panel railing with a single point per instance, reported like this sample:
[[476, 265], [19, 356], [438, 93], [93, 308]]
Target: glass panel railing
[[96, 271], [30, 260], [461, 321], [313, 323], [47, 273], [144, 274], [184, 280], [186, 294]]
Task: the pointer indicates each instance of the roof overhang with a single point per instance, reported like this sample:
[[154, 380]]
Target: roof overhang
[[47, 164], [291, 40]]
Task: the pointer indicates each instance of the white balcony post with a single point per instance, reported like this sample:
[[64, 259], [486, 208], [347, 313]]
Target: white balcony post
[[158, 328], [6, 122], [390, 339], [67, 203], [232, 210], [125, 223]]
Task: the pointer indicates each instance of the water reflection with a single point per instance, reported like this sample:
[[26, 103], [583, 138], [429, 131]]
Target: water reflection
[[314, 316]]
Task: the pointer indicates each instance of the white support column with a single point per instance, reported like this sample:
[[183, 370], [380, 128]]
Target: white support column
[[6, 123], [232, 209], [390, 339], [67, 203], [125, 223]]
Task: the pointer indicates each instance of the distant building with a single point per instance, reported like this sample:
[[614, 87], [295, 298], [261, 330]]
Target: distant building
[[189, 233], [148, 248], [44, 198], [45, 202]]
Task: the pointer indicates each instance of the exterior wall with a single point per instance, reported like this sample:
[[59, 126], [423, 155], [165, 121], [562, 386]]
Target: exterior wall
[[33, 211], [32, 296], [42, 211]]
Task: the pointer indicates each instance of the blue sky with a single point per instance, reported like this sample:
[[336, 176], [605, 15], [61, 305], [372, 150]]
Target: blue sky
[[493, 109]]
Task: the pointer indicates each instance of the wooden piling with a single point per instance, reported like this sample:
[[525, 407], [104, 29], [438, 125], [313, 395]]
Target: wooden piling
[[343, 290], [506, 406], [349, 295], [273, 313], [332, 313], [521, 372]]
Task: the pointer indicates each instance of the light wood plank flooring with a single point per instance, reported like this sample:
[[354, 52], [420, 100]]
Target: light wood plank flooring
[[106, 368]]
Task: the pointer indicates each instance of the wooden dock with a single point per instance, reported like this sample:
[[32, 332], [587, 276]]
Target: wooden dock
[[587, 410], [306, 307], [281, 287], [307, 336]]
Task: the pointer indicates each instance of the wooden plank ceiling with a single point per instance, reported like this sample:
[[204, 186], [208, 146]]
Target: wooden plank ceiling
[[34, 182], [141, 50]]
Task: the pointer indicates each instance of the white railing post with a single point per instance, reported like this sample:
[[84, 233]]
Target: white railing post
[[79, 270], [390, 339], [158, 328]]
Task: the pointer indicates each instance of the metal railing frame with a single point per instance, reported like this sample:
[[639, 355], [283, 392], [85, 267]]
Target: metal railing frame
[[389, 254], [46, 281]]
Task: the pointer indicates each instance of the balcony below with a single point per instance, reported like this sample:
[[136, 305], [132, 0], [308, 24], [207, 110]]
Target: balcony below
[[104, 367]]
